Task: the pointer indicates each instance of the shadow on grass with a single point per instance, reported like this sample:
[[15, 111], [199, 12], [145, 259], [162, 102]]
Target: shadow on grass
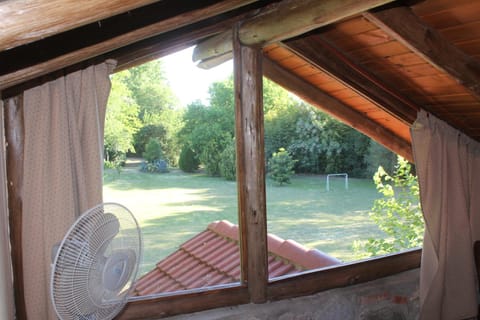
[[176, 206]]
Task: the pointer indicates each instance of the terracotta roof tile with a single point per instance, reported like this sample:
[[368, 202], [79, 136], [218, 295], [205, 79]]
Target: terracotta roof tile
[[213, 257]]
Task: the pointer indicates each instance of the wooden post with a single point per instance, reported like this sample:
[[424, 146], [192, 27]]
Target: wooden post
[[14, 131], [251, 167]]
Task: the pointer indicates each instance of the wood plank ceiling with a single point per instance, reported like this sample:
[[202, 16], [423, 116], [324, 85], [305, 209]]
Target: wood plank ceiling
[[373, 70]]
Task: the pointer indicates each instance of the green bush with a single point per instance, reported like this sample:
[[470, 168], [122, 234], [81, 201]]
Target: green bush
[[188, 161], [281, 166], [398, 213], [228, 168], [153, 150]]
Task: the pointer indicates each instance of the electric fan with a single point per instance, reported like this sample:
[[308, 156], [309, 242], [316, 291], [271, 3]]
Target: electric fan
[[96, 264]]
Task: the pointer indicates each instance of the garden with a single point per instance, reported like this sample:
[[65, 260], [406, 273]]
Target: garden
[[185, 178]]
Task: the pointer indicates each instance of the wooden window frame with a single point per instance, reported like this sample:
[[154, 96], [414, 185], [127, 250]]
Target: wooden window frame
[[255, 287]]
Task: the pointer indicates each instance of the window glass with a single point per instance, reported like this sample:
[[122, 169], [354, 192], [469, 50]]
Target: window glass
[[170, 159], [328, 202]]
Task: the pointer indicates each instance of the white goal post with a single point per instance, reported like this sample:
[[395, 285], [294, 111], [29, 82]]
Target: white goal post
[[337, 174]]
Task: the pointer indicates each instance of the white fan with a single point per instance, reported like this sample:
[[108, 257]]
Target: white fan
[[96, 264]]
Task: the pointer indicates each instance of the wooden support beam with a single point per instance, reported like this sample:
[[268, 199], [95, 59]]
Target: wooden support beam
[[188, 302], [331, 61], [337, 109], [404, 26], [115, 41], [14, 135], [285, 20], [346, 275], [27, 21], [251, 168]]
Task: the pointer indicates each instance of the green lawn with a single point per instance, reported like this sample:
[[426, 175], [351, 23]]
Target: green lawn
[[174, 207]]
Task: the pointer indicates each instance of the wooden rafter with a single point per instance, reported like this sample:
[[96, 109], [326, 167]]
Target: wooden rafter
[[287, 19], [27, 21], [330, 60], [115, 41], [336, 108], [406, 27]]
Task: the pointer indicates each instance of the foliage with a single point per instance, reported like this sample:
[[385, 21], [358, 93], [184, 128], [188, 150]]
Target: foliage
[[156, 166], [151, 91], [153, 150], [161, 134], [188, 161], [209, 129], [281, 115], [228, 168], [157, 116], [281, 166], [121, 120], [210, 156], [397, 213], [377, 155], [112, 165]]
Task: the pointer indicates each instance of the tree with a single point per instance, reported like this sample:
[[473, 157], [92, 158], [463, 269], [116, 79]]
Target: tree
[[157, 114], [281, 166], [153, 150], [398, 213], [209, 129], [188, 161], [121, 120], [151, 91], [228, 168]]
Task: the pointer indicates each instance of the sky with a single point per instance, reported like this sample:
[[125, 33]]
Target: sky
[[190, 82]]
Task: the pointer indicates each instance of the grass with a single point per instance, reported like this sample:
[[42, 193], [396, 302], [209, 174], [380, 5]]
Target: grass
[[173, 207]]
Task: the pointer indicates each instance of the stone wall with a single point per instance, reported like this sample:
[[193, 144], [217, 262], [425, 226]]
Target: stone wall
[[392, 298]]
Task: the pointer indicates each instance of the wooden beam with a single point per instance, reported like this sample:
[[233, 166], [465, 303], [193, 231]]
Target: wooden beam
[[337, 109], [327, 58], [14, 135], [251, 168], [27, 21], [346, 275], [118, 41], [169, 42], [287, 19], [174, 304], [404, 26]]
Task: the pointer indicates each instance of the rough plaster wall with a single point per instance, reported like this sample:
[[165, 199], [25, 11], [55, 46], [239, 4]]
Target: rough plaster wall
[[392, 298]]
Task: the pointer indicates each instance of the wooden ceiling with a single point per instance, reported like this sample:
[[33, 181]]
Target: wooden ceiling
[[372, 69]]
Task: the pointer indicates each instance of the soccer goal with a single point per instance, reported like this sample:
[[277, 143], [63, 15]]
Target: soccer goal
[[345, 175]]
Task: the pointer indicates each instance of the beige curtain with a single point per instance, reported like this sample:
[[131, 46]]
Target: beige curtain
[[448, 169], [64, 121], [6, 284]]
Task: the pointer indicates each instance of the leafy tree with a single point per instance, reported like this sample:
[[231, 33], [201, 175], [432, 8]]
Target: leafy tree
[[228, 168], [377, 155], [281, 166], [151, 91], [209, 129], [188, 161], [153, 150], [158, 117], [397, 213], [121, 119]]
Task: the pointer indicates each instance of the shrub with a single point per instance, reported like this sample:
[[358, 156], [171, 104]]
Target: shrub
[[228, 168], [153, 150], [397, 213], [188, 161], [281, 166]]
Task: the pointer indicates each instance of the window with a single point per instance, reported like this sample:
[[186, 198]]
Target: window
[[189, 216]]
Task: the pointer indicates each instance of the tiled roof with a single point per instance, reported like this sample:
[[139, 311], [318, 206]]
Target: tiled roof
[[212, 257]]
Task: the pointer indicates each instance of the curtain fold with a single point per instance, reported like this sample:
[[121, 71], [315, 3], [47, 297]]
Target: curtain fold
[[448, 167], [63, 162]]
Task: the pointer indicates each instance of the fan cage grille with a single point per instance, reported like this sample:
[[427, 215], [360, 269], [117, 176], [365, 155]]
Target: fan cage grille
[[77, 285]]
